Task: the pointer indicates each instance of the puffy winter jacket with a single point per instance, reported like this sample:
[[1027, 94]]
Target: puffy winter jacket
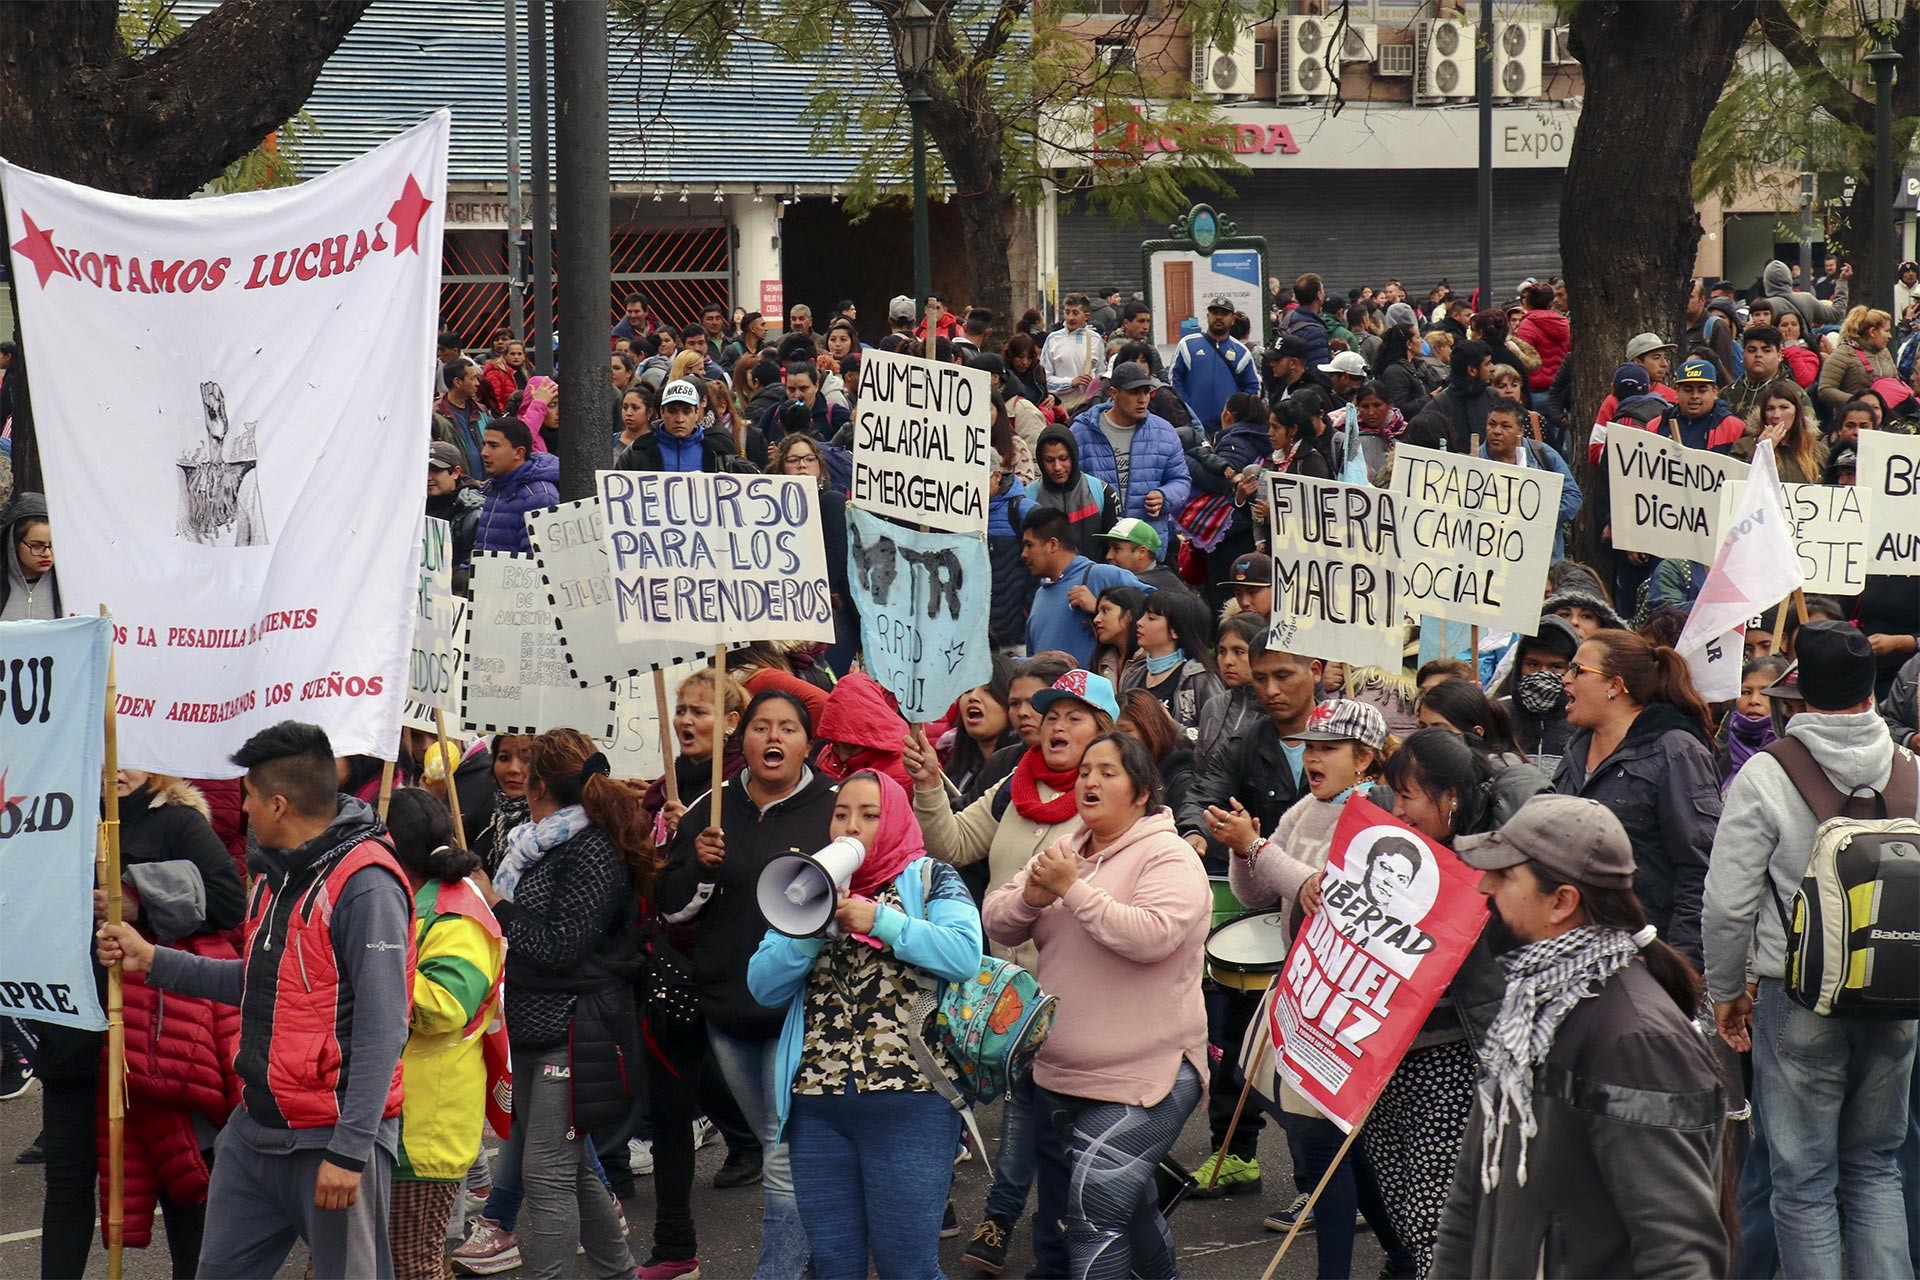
[[1716, 430], [456, 992], [1304, 324], [1850, 373], [1662, 784], [1157, 461], [860, 714], [530, 487], [1549, 333], [1013, 583]]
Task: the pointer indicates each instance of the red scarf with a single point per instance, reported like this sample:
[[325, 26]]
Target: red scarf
[[895, 844], [1027, 777]]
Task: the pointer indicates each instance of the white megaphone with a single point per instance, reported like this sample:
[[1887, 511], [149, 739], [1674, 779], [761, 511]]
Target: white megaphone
[[798, 893]]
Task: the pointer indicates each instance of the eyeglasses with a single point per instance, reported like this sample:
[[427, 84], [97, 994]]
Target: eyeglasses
[[39, 548], [1582, 669]]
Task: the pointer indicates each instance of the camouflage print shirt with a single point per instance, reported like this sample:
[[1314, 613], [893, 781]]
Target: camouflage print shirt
[[858, 1000]]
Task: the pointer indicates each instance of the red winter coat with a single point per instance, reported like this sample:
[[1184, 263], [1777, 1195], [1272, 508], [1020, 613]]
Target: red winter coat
[[862, 715], [1552, 336], [500, 385], [1805, 364], [224, 797], [179, 1062]]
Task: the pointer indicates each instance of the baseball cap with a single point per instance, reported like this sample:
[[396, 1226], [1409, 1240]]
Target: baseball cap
[[1255, 569], [1641, 344], [1696, 371], [1138, 532], [1294, 347], [442, 456], [1631, 380], [1835, 665], [679, 391], [1346, 720], [988, 363], [900, 307], [1575, 838], [1130, 376], [1081, 686], [1351, 363], [1220, 302]]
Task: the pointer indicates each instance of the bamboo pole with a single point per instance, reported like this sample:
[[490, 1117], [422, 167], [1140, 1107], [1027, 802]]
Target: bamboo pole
[[719, 753], [116, 1017], [667, 777], [453, 793], [1314, 1199], [386, 788]]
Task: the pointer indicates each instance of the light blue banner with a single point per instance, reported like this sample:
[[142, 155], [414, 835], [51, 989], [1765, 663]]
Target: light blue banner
[[53, 694], [923, 601]]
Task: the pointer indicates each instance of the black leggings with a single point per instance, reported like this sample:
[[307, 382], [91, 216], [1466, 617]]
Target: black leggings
[[69, 1116], [681, 1085]]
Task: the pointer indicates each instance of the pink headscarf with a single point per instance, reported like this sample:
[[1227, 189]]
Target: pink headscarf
[[897, 843]]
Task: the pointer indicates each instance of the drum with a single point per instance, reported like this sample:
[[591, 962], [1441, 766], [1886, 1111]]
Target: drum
[[1225, 905], [1246, 952]]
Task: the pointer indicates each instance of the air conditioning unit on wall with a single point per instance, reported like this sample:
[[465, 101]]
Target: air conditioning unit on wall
[[1443, 70], [1556, 49], [1516, 61], [1227, 71], [1360, 42], [1304, 73]]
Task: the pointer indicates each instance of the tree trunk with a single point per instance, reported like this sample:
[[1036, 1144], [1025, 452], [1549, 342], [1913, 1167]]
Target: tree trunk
[[962, 124], [1628, 230]]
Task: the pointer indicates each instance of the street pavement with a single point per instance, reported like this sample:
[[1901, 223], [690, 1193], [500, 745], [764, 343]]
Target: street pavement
[[1217, 1238]]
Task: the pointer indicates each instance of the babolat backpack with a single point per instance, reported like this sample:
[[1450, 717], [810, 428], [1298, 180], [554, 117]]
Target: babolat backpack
[[1853, 927]]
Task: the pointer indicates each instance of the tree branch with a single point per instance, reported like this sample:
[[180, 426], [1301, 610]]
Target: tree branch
[[1786, 36]]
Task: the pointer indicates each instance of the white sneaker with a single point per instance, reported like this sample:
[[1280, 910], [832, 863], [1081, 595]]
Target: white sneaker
[[703, 1132], [640, 1157]]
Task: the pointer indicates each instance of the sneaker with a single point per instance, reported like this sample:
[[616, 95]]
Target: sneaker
[[949, 1223], [741, 1169], [640, 1157], [33, 1153], [966, 1150], [704, 1132], [620, 1211], [1283, 1221], [488, 1250], [987, 1251], [1236, 1175], [669, 1269], [16, 1078]]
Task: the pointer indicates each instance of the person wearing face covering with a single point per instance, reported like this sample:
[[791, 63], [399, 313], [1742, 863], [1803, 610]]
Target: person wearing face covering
[[872, 1138], [1533, 694]]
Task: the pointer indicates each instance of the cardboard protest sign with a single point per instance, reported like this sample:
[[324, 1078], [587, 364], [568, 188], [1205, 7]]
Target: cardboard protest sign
[[1889, 476], [1398, 915], [921, 445], [1527, 496], [53, 706], [633, 747], [1350, 562], [570, 543], [246, 512], [699, 558], [1666, 497], [1829, 529], [923, 601], [516, 678], [439, 623]]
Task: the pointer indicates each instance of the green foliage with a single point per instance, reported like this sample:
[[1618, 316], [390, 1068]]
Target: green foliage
[[1017, 97], [149, 25]]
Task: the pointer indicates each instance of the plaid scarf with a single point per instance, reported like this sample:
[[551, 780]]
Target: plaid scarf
[[1544, 981]]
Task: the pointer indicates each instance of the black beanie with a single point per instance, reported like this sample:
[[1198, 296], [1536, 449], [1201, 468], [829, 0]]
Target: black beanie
[[1836, 663]]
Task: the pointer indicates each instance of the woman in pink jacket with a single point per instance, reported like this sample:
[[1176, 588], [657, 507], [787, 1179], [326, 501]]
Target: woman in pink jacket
[[1118, 911]]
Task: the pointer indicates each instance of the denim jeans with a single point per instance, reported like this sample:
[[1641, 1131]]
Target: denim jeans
[[1910, 1169], [871, 1174], [1757, 1252], [1835, 1093], [1351, 1190], [751, 1069], [1013, 1169]]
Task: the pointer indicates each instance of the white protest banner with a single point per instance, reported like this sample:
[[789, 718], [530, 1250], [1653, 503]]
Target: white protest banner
[[921, 598], [633, 748], [1829, 527], [706, 558], [922, 451], [439, 617], [570, 543], [53, 706], [1666, 497], [246, 511], [1755, 568], [1350, 562], [1527, 496], [516, 677], [1889, 474]]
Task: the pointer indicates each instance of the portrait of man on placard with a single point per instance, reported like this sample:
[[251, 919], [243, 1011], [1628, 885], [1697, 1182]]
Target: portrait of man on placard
[[219, 481]]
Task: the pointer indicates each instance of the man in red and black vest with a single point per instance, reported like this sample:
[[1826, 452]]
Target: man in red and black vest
[[324, 987]]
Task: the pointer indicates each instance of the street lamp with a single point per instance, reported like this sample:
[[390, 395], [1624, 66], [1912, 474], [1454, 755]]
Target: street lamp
[[1881, 19], [916, 62]]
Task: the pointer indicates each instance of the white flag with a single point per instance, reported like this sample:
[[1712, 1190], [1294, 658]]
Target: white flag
[[233, 397], [1757, 567]]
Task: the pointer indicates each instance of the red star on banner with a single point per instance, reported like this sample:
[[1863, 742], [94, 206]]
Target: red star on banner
[[37, 247], [405, 216]]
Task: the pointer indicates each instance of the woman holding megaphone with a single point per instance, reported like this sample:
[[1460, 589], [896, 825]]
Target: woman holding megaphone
[[773, 807], [871, 1138]]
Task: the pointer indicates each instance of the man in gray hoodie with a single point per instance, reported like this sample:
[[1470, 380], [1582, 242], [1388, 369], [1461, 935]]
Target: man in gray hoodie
[[1830, 1093], [1777, 279]]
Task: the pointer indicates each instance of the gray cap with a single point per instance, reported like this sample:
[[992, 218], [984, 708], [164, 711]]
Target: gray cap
[[442, 456], [1575, 838], [1643, 344], [680, 391], [901, 307]]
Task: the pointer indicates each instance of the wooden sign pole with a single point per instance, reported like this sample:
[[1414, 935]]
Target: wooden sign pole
[[116, 1017], [453, 792], [719, 754], [386, 788], [668, 777], [1314, 1199]]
